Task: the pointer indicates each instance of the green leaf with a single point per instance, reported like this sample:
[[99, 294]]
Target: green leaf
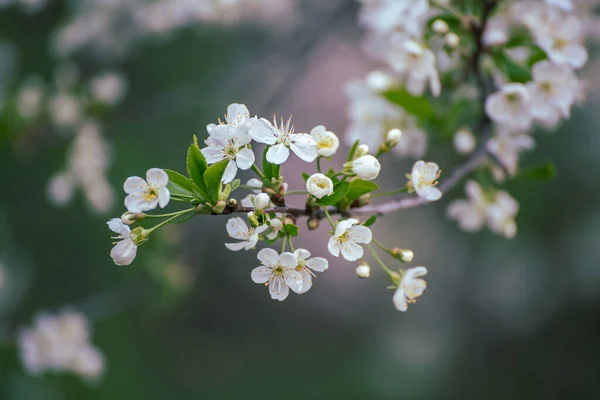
[[267, 167], [179, 185], [418, 106], [371, 220], [358, 187], [540, 173], [291, 230], [353, 151], [514, 71], [339, 192], [305, 176], [235, 184], [196, 166], [212, 179]]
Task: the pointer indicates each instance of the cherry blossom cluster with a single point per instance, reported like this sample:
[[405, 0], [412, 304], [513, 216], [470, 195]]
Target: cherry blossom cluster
[[212, 179], [509, 65], [60, 343]]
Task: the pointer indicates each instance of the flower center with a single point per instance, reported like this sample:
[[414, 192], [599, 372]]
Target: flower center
[[325, 143], [151, 194]]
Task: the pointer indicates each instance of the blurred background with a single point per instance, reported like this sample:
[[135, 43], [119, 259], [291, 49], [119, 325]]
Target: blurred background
[[500, 319]]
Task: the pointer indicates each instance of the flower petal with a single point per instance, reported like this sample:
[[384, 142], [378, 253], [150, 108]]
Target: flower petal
[[351, 251], [135, 184], [245, 159], [237, 228], [136, 204], [288, 260], [124, 252], [252, 240], [318, 264], [302, 254], [399, 300], [334, 246], [344, 225], [164, 195], [117, 226], [278, 154], [360, 234], [261, 274], [304, 146], [294, 280], [236, 246], [278, 289], [230, 172], [157, 177], [213, 154], [268, 257], [263, 132]]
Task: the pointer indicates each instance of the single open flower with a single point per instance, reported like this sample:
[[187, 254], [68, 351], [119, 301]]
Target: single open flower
[[510, 106], [229, 142], [278, 272], [319, 185], [237, 229], [346, 238], [410, 287], [306, 266], [125, 250], [424, 179], [281, 138], [327, 142], [145, 195]]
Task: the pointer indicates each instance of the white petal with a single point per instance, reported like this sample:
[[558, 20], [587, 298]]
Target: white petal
[[344, 225], [360, 234], [261, 274], [261, 229], [263, 132], [278, 154], [288, 260], [230, 172], [136, 204], [245, 159], [294, 280], [304, 146], [306, 282], [334, 247], [117, 226], [351, 251], [236, 246], [237, 228], [123, 252], [318, 264], [400, 300], [237, 113], [302, 254], [164, 195], [268, 257], [135, 184], [278, 289], [213, 154], [157, 178], [252, 240]]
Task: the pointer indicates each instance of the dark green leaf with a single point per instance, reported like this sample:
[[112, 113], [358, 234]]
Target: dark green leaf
[[267, 167], [196, 166], [353, 151], [291, 230], [514, 71], [371, 220], [358, 187], [338, 195], [212, 179], [418, 106], [305, 176], [179, 184], [541, 173]]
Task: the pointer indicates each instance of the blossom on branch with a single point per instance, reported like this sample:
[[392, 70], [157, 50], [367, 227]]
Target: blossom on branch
[[145, 195], [348, 234]]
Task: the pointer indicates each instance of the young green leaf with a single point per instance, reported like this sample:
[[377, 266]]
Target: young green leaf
[[305, 176], [353, 151], [418, 106], [371, 220], [235, 184], [267, 167], [212, 179], [358, 187], [179, 184], [540, 173], [339, 192], [291, 230], [196, 166]]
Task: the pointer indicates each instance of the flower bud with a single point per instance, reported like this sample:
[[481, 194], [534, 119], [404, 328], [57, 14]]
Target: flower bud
[[313, 223], [403, 255], [464, 141], [253, 219], [361, 150], [139, 235], [129, 218], [262, 201], [289, 221], [232, 203], [452, 40], [366, 167], [393, 137], [319, 185], [439, 26], [363, 270], [219, 207]]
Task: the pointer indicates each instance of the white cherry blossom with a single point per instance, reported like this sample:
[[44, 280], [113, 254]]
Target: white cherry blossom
[[238, 229], [348, 234], [562, 43], [319, 185], [237, 116], [306, 266], [410, 287], [145, 195], [416, 64], [229, 142], [125, 250], [278, 273], [327, 142], [471, 213], [507, 146], [366, 167], [424, 179], [501, 214], [510, 106], [281, 138]]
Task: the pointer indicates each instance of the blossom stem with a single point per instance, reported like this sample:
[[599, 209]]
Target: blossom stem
[[255, 169], [166, 215], [381, 246], [391, 193], [380, 262], [283, 245], [319, 164], [292, 192], [328, 217], [291, 244], [175, 216]]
